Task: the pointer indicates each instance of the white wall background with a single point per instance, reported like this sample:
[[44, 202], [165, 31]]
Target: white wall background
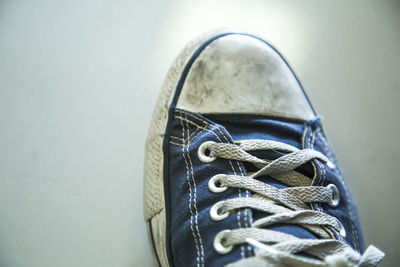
[[78, 81]]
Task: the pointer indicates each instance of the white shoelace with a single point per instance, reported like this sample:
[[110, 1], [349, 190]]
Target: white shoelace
[[288, 205]]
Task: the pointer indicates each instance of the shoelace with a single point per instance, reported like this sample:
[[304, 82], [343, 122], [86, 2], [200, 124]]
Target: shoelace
[[288, 205]]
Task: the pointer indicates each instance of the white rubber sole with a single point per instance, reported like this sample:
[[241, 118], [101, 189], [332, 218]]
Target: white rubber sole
[[154, 202]]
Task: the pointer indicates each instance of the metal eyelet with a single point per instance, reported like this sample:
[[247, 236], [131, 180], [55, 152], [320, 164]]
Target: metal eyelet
[[212, 184], [342, 231], [215, 212], [201, 152], [335, 196], [219, 241]]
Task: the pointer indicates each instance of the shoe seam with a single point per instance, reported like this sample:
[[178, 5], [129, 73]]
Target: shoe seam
[[192, 197], [246, 216]]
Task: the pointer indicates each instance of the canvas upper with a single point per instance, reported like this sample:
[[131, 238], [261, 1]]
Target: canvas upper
[[237, 87]]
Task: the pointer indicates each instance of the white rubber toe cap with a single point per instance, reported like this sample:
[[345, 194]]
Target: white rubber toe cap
[[238, 73]]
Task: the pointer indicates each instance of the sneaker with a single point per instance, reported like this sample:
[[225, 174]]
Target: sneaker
[[238, 171]]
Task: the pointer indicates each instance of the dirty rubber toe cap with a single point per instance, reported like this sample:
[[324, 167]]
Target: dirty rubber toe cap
[[239, 73]]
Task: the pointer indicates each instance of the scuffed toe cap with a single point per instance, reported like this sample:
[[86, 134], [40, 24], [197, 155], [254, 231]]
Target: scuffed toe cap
[[238, 73]]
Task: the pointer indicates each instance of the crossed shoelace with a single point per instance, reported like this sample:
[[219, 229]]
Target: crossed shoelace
[[288, 205]]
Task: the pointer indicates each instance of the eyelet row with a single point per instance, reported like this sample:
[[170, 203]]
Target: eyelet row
[[215, 211], [203, 153]]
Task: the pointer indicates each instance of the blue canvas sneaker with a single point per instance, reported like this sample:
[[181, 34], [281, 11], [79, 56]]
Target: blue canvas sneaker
[[238, 171]]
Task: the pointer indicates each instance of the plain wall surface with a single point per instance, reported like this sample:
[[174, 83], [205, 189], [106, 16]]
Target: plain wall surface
[[78, 81]]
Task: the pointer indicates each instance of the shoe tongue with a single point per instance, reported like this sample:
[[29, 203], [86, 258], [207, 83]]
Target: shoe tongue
[[244, 127]]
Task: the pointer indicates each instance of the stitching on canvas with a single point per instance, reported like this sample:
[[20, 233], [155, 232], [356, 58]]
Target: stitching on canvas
[[195, 199], [239, 190], [195, 117], [194, 137], [246, 216], [190, 198], [191, 122], [172, 142], [230, 162], [188, 138]]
